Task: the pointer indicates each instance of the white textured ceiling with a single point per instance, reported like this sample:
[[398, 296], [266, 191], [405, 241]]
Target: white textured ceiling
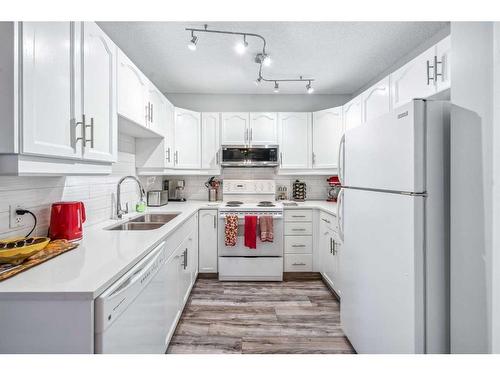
[[341, 56]]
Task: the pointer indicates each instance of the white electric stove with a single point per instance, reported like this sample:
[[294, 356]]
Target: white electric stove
[[265, 263]]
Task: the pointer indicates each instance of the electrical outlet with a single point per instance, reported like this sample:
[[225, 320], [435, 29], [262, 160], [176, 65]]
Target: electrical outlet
[[16, 221]]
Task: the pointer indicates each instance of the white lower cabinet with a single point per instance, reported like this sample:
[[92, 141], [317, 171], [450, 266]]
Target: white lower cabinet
[[329, 251], [298, 240], [172, 293], [207, 240]]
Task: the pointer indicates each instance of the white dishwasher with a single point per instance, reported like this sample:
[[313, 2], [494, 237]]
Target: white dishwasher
[[130, 316]]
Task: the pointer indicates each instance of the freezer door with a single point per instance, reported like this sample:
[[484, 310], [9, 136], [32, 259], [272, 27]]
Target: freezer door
[[382, 309], [388, 153]]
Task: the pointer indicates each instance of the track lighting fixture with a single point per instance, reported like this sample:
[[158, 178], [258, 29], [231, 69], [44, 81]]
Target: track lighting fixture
[[309, 88], [241, 46], [193, 41], [262, 58]]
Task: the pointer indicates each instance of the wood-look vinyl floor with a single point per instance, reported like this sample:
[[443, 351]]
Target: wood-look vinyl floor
[[289, 317]]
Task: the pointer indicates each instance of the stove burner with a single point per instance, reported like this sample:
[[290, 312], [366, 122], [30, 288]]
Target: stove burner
[[266, 204], [234, 204]]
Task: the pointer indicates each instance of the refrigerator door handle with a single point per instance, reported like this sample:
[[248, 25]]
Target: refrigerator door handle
[[339, 220], [339, 165]]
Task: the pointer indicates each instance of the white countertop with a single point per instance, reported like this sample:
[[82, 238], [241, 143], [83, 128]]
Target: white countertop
[[104, 256]]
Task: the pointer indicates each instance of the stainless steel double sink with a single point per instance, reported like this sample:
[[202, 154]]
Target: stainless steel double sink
[[145, 222]]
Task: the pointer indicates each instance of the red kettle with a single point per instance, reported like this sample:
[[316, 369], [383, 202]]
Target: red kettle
[[66, 221]]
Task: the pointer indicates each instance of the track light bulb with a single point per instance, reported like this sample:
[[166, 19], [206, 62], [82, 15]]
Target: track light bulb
[[309, 88], [192, 43], [258, 81], [276, 87], [267, 60], [241, 46]]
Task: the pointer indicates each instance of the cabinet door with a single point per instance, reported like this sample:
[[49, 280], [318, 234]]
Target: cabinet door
[[295, 130], [49, 55], [443, 53], [376, 100], [263, 128], [187, 139], [169, 141], [208, 241], [337, 278], [326, 134], [235, 128], [172, 293], [210, 124], [157, 109], [352, 114], [411, 81], [131, 85], [184, 273], [99, 94]]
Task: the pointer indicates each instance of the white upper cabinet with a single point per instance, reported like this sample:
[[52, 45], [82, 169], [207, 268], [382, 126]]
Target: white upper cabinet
[[326, 134], [132, 91], [99, 94], [414, 80], [352, 113], [443, 55], [376, 100], [295, 140], [263, 128], [50, 53], [210, 123], [235, 128], [156, 109], [187, 153], [169, 133]]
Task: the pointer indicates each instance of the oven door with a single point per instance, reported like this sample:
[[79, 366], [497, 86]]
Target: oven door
[[264, 249]]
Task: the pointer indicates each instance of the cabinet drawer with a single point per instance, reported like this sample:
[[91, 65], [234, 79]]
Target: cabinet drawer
[[298, 244], [298, 262], [329, 220], [298, 229], [298, 215]]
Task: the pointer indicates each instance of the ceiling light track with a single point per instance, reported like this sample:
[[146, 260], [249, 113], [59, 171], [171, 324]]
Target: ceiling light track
[[263, 59]]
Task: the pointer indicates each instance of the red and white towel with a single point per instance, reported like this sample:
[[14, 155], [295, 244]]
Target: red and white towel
[[230, 230]]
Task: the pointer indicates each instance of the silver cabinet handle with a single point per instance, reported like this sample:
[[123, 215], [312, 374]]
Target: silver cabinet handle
[[168, 154], [331, 248], [251, 135], [313, 158], [185, 262], [298, 245], [82, 138], [298, 264], [334, 247], [91, 140], [326, 221], [151, 119], [147, 114], [215, 221], [436, 74], [298, 229], [176, 158], [281, 158], [298, 216]]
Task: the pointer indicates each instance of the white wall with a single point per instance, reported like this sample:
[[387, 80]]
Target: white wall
[[256, 103], [97, 193], [472, 75]]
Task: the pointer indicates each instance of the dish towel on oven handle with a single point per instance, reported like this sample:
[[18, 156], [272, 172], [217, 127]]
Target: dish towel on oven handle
[[266, 228], [251, 231], [230, 230]]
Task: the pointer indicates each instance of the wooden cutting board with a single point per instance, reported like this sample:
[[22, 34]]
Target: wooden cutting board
[[53, 249]]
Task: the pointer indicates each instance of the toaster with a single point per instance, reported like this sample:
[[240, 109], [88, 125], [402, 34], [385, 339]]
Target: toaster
[[157, 198]]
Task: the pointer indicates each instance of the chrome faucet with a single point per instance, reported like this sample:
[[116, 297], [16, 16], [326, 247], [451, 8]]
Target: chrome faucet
[[119, 210]]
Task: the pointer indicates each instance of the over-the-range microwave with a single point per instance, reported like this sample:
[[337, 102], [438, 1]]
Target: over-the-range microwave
[[254, 156]]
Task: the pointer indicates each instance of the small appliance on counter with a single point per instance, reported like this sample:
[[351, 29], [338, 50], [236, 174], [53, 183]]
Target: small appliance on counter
[[157, 198], [66, 221], [213, 185], [334, 189], [175, 190], [299, 192]]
